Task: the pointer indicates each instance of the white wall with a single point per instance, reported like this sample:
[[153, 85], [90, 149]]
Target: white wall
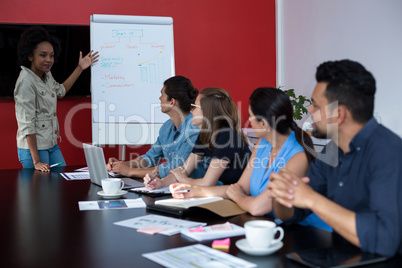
[[310, 32]]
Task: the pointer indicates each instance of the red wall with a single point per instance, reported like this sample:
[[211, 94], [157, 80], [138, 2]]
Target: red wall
[[220, 43]]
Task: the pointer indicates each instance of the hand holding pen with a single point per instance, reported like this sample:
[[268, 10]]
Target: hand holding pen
[[152, 182], [153, 177], [109, 165], [181, 190]]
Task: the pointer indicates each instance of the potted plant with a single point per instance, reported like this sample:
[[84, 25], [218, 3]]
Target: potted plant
[[300, 103]]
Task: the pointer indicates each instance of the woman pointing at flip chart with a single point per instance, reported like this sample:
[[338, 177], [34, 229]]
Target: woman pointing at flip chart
[[35, 98]]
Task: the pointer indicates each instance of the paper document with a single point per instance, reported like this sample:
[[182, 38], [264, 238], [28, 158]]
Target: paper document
[[196, 256], [82, 169], [111, 204], [75, 175], [214, 232], [145, 190], [86, 169], [172, 225], [151, 230]]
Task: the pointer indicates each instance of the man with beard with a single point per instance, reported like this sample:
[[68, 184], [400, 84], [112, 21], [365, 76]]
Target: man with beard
[[355, 185]]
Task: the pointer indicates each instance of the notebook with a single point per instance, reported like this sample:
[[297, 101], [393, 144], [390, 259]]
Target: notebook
[[153, 193], [178, 207], [217, 205], [97, 167], [187, 202]]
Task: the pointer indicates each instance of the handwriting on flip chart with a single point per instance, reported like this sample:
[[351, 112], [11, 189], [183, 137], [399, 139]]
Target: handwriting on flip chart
[[109, 62], [150, 67], [135, 60]]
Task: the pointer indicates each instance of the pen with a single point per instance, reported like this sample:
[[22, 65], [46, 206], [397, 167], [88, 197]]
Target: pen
[[57, 164], [153, 177], [181, 191]]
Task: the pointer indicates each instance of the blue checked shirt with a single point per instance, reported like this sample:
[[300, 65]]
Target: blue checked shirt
[[174, 146]]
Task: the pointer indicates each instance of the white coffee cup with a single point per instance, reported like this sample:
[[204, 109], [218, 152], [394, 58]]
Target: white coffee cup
[[260, 233], [112, 186]]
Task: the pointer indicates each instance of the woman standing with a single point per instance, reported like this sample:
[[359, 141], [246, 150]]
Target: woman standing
[[35, 98]]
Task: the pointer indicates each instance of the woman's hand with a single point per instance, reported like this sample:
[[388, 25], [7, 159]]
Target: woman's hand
[[175, 187], [110, 163], [42, 167], [156, 183], [121, 168], [88, 60], [179, 173], [83, 63], [235, 191]]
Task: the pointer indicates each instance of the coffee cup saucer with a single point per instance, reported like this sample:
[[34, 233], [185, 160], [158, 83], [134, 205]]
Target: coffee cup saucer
[[116, 195], [244, 246]]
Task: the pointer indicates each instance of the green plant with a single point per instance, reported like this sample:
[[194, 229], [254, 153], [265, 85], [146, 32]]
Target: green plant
[[300, 103]]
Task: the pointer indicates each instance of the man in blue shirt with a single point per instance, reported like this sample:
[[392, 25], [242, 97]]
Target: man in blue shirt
[[176, 136], [355, 185]]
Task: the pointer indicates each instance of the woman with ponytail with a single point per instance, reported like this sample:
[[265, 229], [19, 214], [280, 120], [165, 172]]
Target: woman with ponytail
[[221, 147], [281, 144]]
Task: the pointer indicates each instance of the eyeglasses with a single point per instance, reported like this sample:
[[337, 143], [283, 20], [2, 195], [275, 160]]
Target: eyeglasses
[[193, 106]]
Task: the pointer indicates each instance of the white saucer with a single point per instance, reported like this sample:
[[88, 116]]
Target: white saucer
[[117, 195], [244, 246]]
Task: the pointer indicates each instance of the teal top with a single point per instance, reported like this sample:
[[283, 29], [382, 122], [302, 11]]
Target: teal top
[[260, 175]]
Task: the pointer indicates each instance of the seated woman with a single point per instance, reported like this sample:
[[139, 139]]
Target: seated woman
[[176, 136], [281, 144], [220, 146]]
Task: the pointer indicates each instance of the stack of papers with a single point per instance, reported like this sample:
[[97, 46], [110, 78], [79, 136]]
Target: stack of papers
[[214, 232], [82, 175], [196, 256], [171, 226], [111, 204]]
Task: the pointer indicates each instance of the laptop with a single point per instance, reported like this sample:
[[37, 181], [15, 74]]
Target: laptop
[[97, 167]]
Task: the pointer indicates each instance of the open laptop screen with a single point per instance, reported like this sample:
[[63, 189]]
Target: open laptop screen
[[97, 167]]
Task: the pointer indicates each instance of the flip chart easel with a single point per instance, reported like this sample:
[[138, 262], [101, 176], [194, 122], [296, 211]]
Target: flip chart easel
[[136, 57]]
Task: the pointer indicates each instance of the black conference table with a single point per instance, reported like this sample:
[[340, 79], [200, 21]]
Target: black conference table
[[41, 226]]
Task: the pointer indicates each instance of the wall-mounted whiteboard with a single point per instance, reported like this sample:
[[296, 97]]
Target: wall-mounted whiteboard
[[310, 32], [136, 57]]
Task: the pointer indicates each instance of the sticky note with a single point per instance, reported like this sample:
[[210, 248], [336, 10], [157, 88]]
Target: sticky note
[[151, 230], [196, 230], [221, 244]]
